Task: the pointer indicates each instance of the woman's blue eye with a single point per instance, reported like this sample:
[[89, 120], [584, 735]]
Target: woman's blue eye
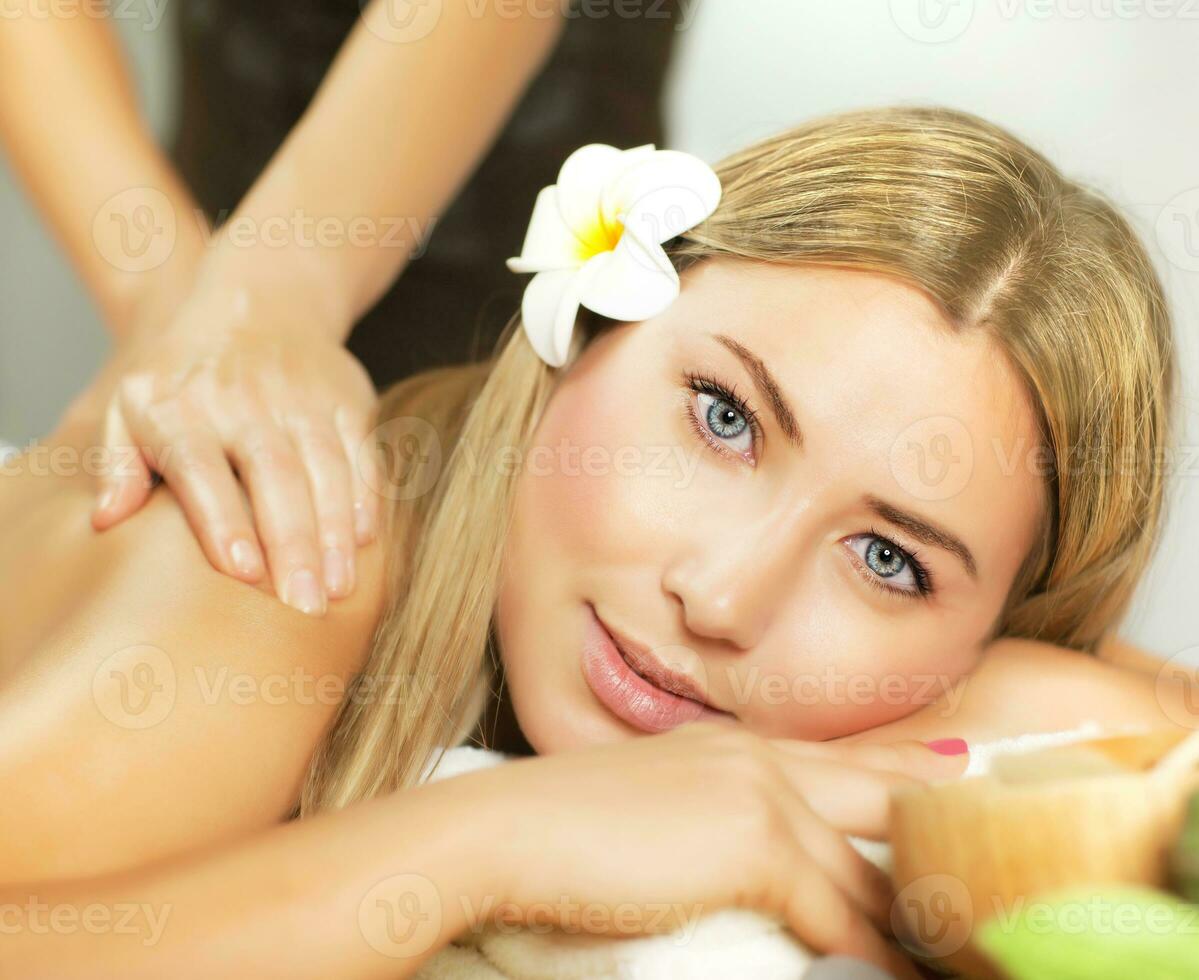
[[725, 421], [888, 561]]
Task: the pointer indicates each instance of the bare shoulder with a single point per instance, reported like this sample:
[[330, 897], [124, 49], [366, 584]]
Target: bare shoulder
[[1024, 686], [166, 706]]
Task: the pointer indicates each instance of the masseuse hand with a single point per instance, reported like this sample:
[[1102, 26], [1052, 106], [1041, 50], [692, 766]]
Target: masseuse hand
[[227, 381], [703, 817]]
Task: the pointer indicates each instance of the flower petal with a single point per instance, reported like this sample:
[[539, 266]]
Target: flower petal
[[545, 295], [550, 307], [549, 242], [633, 284], [664, 194], [581, 183]]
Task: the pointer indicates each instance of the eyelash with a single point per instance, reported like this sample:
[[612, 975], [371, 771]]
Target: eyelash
[[924, 579], [708, 385], [705, 384]]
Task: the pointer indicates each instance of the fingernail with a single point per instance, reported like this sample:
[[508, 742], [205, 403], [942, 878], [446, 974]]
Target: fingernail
[[363, 525], [245, 557], [949, 746], [303, 592], [339, 572], [107, 498]]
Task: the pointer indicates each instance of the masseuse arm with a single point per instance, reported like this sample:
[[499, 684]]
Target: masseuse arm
[[245, 369], [74, 134], [398, 124]]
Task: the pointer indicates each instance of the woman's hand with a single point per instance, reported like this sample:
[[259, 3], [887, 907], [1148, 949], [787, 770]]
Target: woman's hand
[[229, 387], [703, 817]]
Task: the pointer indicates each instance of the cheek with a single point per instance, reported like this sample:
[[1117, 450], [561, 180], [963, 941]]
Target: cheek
[[597, 478], [846, 669]]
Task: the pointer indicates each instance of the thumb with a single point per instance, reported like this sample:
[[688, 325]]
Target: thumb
[[125, 482]]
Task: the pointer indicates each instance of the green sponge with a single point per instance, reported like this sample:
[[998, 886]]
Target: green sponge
[[1115, 932]]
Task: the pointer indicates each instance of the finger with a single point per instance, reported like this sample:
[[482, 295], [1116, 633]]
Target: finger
[[277, 483], [358, 442], [863, 881], [853, 800], [193, 464], [323, 455], [125, 483], [825, 918], [910, 757]]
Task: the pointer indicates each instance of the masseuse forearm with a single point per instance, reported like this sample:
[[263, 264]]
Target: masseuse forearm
[[76, 138], [395, 129], [369, 892]]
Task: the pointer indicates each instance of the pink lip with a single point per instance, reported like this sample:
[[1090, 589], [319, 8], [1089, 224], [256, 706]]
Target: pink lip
[[629, 696]]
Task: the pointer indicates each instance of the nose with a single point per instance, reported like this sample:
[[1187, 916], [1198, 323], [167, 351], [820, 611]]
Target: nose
[[731, 581]]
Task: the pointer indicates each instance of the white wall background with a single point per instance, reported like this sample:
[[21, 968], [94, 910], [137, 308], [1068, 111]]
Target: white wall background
[[1108, 89]]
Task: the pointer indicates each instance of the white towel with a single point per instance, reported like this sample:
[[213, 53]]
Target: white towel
[[726, 943]]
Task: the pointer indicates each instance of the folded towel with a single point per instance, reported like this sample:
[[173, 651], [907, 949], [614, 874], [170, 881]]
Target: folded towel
[[726, 943]]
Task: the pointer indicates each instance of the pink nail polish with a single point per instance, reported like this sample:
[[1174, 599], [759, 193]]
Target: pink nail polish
[[949, 746]]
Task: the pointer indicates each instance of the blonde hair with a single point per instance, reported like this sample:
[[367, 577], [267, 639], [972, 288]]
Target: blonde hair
[[942, 199]]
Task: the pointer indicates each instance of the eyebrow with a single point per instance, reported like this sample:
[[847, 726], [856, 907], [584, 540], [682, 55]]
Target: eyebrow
[[918, 527]]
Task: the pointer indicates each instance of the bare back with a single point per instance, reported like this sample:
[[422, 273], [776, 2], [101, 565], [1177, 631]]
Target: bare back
[[148, 704]]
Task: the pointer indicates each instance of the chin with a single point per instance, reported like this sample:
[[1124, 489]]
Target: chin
[[565, 720], [554, 707]]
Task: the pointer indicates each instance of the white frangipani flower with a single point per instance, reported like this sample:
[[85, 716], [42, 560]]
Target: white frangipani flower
[[595, 238]]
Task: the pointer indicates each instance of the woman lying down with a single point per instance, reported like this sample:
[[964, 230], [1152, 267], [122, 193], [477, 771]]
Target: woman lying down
[[874, 469]]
